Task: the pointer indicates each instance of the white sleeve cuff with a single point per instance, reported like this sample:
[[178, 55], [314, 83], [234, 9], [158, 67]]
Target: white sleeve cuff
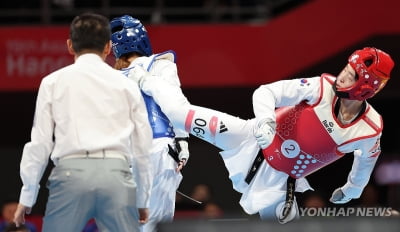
[[28, 195], [351, 190], [142, 199]]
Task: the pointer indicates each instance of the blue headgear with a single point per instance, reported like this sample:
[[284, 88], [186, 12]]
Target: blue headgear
[[129, 35]]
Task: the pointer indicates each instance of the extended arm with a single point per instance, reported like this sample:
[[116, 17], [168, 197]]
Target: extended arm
[[363, 165]]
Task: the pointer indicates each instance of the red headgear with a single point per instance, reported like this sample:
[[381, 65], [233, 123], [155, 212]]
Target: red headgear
[[373, 68]]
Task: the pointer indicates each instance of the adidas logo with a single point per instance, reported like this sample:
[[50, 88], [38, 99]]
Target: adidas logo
[[222, 127]]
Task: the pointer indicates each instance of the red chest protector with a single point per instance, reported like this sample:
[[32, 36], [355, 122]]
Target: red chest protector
[[308, 136], [301, 145]]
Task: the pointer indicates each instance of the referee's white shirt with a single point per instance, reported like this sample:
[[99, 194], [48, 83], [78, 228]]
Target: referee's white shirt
[[87, 106]]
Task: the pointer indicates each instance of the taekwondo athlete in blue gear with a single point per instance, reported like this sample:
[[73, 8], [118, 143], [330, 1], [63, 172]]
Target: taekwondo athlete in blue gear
[[131, 46]]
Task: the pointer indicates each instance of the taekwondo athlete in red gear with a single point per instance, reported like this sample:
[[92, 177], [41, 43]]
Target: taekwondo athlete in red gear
[[131, 44], [290, 116]]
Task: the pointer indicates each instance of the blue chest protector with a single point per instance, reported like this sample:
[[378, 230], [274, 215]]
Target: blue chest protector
[[159, 122]]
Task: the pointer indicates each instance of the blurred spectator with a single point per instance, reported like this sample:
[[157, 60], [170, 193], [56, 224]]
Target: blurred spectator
[[8, 209], [313, 199], [370, 197], [202, 192], [206, 207], [183, 203], [212, 210]]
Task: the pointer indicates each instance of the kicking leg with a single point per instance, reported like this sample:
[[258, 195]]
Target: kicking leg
[[220, 129]]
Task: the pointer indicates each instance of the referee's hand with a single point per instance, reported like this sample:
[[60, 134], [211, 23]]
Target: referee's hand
[[143, 215], [19, 215]]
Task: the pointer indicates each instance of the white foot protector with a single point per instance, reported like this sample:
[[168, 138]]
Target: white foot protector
[[291, 215]]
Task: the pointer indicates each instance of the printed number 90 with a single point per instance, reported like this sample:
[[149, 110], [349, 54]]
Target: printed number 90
[[199, 132]]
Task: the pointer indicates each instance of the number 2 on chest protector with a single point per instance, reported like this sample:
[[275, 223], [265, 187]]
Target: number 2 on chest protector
[[290, 148]]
